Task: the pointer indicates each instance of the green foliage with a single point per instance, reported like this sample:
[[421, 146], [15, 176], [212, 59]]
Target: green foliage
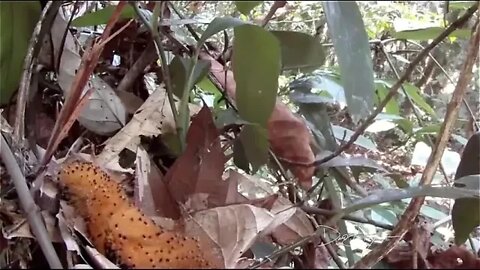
[[17, 21], [246, 6], [102, 16], [256, 67], [351, 47], [429, 33], [300, 51]]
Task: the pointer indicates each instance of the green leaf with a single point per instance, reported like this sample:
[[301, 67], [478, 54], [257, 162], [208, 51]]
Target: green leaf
[[391, 195], [392, 106], [432, 212], [255, 144], [300, 51], [17, 21], [350, 41], [240, 157], [460, 4], [466, 211], [256, 67], [414, 93], [246, 6], [430, 129], [102, 16], [217, 25], [423, 34], [179, 67], [207, 86]]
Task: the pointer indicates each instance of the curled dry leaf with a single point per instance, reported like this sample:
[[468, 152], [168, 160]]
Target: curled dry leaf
[[104, 113], [297, 226], [288, 134], [235, 228], [154, 117]]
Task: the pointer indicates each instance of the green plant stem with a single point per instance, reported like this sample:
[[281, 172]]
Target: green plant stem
[[184, 112], [153, 28]]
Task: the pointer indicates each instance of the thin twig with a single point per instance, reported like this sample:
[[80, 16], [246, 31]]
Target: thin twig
[[148, 56], [409, 99], [452, 110], [276, 5], [29, 207], [325, 212], [153, 28]]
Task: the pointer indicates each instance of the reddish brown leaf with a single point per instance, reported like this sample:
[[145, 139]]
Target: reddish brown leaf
[[200, 168], [288, 135]]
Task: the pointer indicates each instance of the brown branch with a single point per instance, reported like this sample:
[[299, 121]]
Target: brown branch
[[148, 56], [452, 110], [276, 5], [28, 205]]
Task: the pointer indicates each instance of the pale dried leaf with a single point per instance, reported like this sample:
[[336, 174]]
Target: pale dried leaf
[[22, 229], [196, 202], [143, 194], [130, 101], [233, 228], [148, 120], [104, 113], [297, 226]]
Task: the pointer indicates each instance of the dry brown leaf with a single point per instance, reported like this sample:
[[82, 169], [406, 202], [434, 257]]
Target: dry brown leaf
[[104, 113], [200, 168], [234, 228], [297, 226], [288, 134]]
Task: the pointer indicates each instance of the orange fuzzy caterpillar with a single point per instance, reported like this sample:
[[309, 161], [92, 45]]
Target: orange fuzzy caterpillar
[[118, 229]]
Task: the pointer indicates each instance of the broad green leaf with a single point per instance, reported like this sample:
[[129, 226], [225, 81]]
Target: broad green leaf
[[178, 72], [207, 86], [414, 93], [430, 129], [255, 144], [102, 16], [382, 214], [300, 51], [432, 212], [256, 67], [17, 21], [466, 211], [246, 6], [390, 195], [353, 52], [342, 133], [460, 4], [217, 25], [423, 34], [239, 156], [392, 106]]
